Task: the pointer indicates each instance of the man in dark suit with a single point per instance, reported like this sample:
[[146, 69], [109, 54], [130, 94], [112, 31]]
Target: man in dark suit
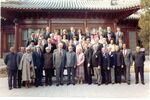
[[139, 59], [112, 56], [119, 63], [105, 65], [19, 57], [38, 65], [59, 59], [127, 62], [96, 63], [11, 61], [87, 65]]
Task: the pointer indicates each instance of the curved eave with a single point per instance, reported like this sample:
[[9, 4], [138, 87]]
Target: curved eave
[[74, 9]]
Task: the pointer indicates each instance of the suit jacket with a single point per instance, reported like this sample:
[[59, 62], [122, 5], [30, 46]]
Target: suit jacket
[[113, 36], [19, 56], [127, 58], [96, 59], [71, 59], [105, 61], [11, 61], [113, 59], [29, 41], [47, 35], [88, 55], [48, 60], [120, 35], [70, 36], [119, 58], [139, 59], [37, 59], [59, 59]]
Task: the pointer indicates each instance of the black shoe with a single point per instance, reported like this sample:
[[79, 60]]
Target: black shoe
[[41, 84], [143, 83], [113, 83], [10, 88], [15, 87], [57, 84], [46, 84], [61, 84], [68, 83], [50, 84], [73, 83], [128, 83], [136, 82], [36, 86], [99, 84]]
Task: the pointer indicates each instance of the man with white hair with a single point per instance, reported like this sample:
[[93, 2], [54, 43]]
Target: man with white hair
[[59, 58], [48, 66], [139, 59]]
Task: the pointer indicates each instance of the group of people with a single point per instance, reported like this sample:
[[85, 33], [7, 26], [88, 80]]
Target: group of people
[[98, 56]]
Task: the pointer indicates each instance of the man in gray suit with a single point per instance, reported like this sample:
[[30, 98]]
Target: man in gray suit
[[127, 62], [59, 58], [71, 64]]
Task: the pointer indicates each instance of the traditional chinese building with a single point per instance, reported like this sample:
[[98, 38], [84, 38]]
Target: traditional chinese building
[[20, 17]]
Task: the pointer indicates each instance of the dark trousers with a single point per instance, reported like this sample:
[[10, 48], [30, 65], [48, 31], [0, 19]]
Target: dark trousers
[[71, 74], [38, 76], [85, 72], [139, 69], [12, 74], [48, 76], [59, 75], [89, 75], [19, 78], [118, 74], [106, 76]]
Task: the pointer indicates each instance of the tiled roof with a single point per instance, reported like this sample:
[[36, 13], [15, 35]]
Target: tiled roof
[[71, 4], [136, 15]]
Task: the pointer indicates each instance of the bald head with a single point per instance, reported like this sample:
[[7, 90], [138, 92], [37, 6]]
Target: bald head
[[12, 49]]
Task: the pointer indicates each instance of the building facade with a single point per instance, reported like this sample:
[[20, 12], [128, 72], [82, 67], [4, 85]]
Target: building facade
[[20, 17]]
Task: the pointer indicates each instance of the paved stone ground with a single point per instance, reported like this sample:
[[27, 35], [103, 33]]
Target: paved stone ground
[[103, 91]]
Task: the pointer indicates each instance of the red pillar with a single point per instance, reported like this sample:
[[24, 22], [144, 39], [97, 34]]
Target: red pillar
[[17, 42], [1, 43]]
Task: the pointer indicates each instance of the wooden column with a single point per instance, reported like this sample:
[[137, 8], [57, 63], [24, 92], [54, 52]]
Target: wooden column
[[1, 43], [85, 24], [17, 36], [50, 25]]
